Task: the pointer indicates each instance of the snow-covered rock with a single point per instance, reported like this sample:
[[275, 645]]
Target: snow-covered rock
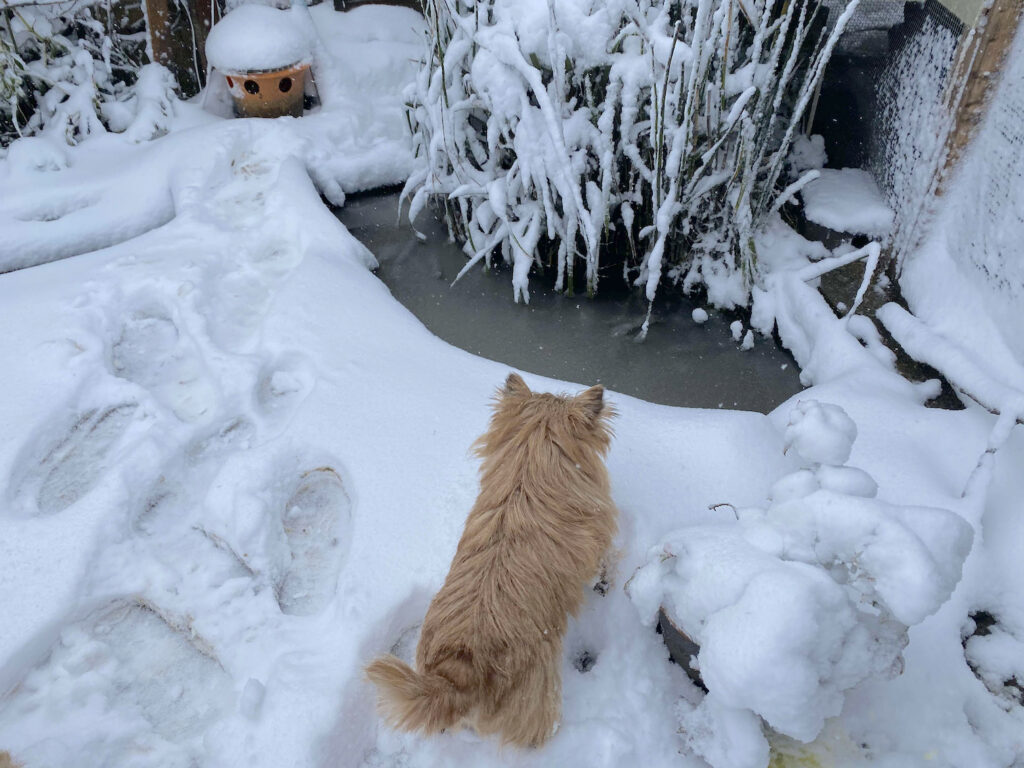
[[820, 433]]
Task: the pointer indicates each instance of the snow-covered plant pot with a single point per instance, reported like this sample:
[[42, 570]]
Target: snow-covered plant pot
[[793, 605], [264, 55], [276, 93]]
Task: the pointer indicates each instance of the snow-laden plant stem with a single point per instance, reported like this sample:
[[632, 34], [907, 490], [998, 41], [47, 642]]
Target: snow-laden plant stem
[[63, 69], [652, 131]]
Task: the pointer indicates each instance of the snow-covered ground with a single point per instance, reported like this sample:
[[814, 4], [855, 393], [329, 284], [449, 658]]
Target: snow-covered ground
[[55, 202], [235, 469], [847, 200]]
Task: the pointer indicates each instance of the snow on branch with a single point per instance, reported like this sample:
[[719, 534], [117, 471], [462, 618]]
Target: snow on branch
[[928, 346], [968, 377], [813, 271]]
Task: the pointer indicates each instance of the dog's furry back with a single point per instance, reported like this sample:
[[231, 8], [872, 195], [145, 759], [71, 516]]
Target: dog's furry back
[[490, 647]]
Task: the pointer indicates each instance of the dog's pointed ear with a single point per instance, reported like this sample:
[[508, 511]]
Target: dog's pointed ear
[[592, 400], [515, 386]]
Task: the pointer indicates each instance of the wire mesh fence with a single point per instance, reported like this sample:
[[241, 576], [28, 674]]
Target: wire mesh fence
[[908, 137], [933, 106], [989, 195], [887, 106]]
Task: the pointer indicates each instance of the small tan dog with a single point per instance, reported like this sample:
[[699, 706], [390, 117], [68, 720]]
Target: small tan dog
[[490, 650]]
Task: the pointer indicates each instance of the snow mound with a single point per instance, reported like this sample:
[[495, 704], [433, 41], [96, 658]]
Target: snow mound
[[847, 200], [34, 154], [820, 432], [154, 104], [254, 38], [795, 604]]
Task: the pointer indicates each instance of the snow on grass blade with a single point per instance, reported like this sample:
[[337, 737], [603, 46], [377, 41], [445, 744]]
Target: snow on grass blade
[[563, 132]]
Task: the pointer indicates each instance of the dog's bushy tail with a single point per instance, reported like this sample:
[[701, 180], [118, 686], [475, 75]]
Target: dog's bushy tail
[[411, 701]]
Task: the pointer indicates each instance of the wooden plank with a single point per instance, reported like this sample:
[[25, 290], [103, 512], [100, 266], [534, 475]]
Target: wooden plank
[[205, 14], [348, 5], [170, 32], [981, 64], [158, 32]]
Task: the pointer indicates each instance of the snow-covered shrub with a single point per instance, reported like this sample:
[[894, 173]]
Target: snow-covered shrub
[[63, 68], [147, 112], [559, 131], [795, 604]]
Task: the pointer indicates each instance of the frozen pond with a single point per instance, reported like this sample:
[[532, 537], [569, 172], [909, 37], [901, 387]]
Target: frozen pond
[[577, 339]]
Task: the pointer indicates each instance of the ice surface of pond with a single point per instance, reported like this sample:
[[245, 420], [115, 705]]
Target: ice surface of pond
[[589, 341]]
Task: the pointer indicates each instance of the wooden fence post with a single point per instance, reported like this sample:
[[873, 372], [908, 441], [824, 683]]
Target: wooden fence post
[[171, 39], [158, 32], [980, 68], [206, 14]]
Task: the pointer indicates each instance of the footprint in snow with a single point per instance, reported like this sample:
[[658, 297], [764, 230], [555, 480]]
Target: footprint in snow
[[128, 688], [584, 660], [153, 352], [405, 646], [62, 470], [283, 385], [186, 544], [239, 202], [238, 290], [317, 524], [237, 434]]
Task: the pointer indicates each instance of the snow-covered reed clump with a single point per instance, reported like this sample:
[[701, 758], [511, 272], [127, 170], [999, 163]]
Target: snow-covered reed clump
[[795, 604], [655, 132]]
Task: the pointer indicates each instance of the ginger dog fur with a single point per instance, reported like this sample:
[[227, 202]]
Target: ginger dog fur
[[490, 651]]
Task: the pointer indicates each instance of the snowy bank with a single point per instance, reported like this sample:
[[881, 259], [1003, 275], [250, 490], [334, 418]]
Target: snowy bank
[[239, 360], [236, 470], [192, 403], [58, 201]]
